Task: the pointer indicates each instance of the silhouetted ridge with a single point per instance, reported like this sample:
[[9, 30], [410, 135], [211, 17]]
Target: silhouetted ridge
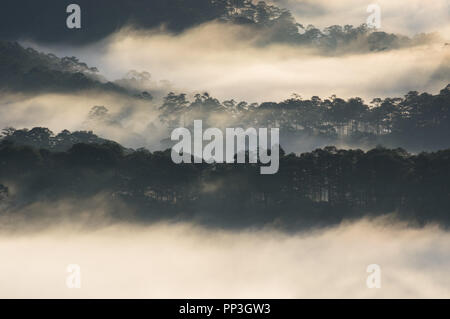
[[43, 138], [320, 188], [27, 70]]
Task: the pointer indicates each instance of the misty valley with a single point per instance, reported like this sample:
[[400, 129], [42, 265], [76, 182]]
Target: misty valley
[[382, 170], [224, 148]]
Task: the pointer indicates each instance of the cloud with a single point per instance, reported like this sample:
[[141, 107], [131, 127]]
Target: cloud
[[186, 261], [229, 65]]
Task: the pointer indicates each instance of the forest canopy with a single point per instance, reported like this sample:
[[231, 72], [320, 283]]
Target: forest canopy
[[320, 188]]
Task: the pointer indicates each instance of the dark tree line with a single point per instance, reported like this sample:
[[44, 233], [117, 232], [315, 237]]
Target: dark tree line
[[417, 122], [322, 187], [43, 138]]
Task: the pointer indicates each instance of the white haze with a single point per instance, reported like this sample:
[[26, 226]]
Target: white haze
[[130, 122], [225, 61], [186, 261]]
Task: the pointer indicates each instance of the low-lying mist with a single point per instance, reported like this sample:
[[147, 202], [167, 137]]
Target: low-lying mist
[[129, 121], [226, 61], [187, 261]]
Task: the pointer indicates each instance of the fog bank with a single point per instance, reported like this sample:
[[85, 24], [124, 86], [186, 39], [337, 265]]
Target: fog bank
[[185, 261]]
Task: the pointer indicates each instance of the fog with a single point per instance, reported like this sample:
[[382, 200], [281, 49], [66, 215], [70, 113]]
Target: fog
[[129, 121], [228, 68], [186, 261], [122, 259], [229, 62], [239, 72], [225, 61]]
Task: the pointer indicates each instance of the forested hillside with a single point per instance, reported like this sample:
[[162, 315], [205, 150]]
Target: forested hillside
[[320, 188]]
